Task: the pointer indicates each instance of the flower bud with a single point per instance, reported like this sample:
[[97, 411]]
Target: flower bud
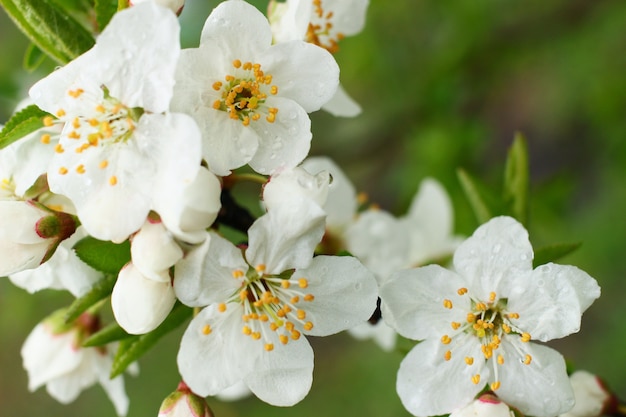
[[486, 405], [174, 5], [184, 403], [592, 398], [296, 184], [154, 251], [29, 234]]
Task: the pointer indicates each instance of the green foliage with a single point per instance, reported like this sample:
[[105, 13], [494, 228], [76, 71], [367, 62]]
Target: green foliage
[[111, 333], [21, 124], [516, 180], [54, 32], [132, 348], [482, 201], [104, 256], [33, 58], [551, 253], [101, 290], [105, 9]]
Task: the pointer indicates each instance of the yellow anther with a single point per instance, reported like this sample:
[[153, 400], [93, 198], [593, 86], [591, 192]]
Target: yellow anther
[[448, 355], [281, 313], [100, 108], [247, 66], [60, 113], [94, 122], [274, 90], [527, 359], [273, 326], [73, 135], [76, 93], [309, 297], [76, 123], [495, 385], [476, 379], [469, 360], [525, 337], [62, 170], [246, 121], [264, 317], [506, 328], [229, 78], [500, 359], [445, 339], [256, 335], [471, 317], [93, 138], [113, 180], [481, 306], [492, 297], [269, 347], [206, 330], [287, 309], [289, 326], [303, 283], [271, 118], [243, 295], [260, 268], [237, 273], [255, 116], [246, 330], [254, 316], [308, 326], [221, 307], [217, 104], [237, 63], [301, 314], [487, 351], [513, 315], [455, 325], [447, 303], [295, 299], [283, 339], [80, 169], [295, 335]]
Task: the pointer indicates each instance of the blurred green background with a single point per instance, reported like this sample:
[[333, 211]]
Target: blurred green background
[[443, 84]]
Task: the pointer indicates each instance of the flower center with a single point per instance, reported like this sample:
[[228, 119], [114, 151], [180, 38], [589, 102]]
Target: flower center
[[105, 120], [271, 304], [489, 321], [320, 30], [243, 94]]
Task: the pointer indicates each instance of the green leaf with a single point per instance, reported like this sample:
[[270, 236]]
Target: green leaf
[[516, 180], [101, 290], [104, 256], [105, 9], [33, 58], [49, 27], [551, 253], [111, 333], [134, 347], [22, 123], [483, 205]]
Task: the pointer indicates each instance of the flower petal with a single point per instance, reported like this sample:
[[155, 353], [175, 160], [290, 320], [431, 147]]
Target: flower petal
[[428, 385], [412, 302], [494, 256], [342, 105], [551, 299], [204, 275], [345, 294], [541, 388]]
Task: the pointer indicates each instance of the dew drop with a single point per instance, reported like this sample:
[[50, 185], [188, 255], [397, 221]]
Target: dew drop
[[523, 256], [278, 143], [496, 248], [358, 286]]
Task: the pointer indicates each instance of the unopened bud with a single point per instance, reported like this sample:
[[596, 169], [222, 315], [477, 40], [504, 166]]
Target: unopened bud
[[592, 398], [486, 405], [184, 403]]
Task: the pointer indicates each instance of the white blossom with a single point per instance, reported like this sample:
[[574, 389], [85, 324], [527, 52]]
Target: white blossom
[[477, 323], [592, 397]]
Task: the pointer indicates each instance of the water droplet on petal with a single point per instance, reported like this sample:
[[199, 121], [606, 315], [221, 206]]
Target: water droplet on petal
[[496, 248]]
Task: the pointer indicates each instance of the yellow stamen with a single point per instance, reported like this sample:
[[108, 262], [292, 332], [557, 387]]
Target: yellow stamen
[[495, 385], [445, 339], [447, 303], [500, 359], [476, 379], [237, 63], [206, 330], [113, 180], [221, 307], [455, 325], [448, 355], [80, 169], [469, 360], [309, 297], [525, 337], [303, 283], [527, 359], [492, 297], [45, 138], [62, 170], [237, 273], [269, 347]]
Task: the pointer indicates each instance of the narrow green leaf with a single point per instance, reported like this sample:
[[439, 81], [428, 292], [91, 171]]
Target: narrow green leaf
[[49, 27], [516, 180], [105, 9], [100, 291], [21, 124], [33, 58], [481, 209], [134, 347], [551, 253], [104, 256], [111, 333]]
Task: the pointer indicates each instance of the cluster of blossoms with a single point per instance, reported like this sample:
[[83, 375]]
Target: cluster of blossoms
[[142, 145]]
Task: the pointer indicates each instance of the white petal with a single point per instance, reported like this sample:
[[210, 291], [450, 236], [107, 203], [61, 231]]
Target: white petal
[[284, 143], [113, 387], [412, 302], [140, 304], [348, 15], [496, 255], [290, 20], [551, 299], [236, 392], [341, 204], [295, 183], [380, 241], [211, 363], [154, 251], [205, 275], [239, 26], [428, 385], [345, 294], [19, 219], [283, 377], [381, 333], [285, 237], [342, 105], [541, 388], [303, 72]]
